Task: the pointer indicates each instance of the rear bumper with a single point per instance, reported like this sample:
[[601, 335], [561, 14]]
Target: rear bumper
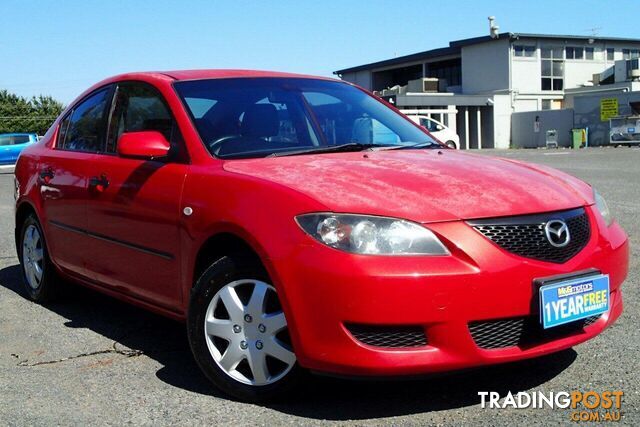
[[323, 289]]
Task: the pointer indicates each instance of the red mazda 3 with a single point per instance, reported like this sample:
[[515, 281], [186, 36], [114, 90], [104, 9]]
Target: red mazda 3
[[299, 223]]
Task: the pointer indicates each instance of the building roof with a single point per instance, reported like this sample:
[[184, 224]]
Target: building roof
[[456, 45]]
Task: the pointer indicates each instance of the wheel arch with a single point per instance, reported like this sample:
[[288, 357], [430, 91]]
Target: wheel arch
[[220, 244], [456, 145]]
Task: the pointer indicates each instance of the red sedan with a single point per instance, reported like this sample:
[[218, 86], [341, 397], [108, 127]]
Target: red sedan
[[299, 223]]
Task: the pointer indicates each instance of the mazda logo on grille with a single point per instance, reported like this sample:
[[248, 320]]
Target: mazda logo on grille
[[557, 233]]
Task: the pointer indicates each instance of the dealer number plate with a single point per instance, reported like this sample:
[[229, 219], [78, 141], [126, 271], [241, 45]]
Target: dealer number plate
[[573, 299]]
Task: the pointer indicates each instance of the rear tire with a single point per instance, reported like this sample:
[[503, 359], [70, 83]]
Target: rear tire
[[451, 144], [238, 333], [39, 276]]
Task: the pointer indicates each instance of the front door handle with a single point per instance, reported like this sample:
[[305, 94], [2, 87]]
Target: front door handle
[[99, 184], [46, 175]]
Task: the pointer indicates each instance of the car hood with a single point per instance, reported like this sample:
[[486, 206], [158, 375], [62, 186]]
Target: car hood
[[421, 185]]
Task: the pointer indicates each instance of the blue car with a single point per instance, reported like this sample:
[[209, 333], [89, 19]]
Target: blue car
[[11, 144]]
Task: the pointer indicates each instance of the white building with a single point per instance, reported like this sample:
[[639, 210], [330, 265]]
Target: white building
[[483, 80]]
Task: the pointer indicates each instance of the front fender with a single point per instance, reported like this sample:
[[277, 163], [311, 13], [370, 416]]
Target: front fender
[[259, 212]]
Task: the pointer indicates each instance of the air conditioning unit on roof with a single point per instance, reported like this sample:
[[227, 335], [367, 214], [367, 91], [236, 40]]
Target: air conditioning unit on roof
[[426, 85]]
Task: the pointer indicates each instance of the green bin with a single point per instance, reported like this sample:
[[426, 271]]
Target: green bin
[[577, 138]]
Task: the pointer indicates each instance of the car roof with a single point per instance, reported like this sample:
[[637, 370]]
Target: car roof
[[216, 74], [221, 74], [177, 75]]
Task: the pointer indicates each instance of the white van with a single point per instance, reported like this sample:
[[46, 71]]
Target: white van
[[437, 129]]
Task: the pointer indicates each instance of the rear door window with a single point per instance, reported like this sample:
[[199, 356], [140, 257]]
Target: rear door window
[[86, 124]]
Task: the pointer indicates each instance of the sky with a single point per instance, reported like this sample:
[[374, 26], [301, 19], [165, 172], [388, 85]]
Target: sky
[[62, 47]]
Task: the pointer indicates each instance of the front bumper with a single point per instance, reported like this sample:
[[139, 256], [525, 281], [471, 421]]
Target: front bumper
[[323, 289]]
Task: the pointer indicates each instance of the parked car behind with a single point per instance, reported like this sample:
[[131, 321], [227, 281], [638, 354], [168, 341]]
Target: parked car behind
[[12, 144], [437, 129]]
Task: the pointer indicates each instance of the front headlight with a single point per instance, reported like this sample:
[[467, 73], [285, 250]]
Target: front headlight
[[603, 208], [362, 234]]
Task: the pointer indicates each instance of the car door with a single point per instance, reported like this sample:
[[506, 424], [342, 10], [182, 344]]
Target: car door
[[134, 211], [62, 178]]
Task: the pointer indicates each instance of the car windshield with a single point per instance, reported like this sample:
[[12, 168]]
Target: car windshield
[[259, 117]]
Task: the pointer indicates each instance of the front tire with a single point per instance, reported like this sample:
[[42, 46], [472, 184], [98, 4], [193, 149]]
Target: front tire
[[238, 332], [39, 277], [451, 144]]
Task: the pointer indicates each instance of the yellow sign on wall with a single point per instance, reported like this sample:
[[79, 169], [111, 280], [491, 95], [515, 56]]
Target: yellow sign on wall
[[608, 108]]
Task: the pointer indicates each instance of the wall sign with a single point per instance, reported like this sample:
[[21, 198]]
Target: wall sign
[[608, 108]]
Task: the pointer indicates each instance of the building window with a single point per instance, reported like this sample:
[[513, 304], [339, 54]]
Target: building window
[[552, 68], [448, 70], [546, 104], [574, 52], [610, 53], [579, 52], [588, 53], [524, 51], [630, 53]]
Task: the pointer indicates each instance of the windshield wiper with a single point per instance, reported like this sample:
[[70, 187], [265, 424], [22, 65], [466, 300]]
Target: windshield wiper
[[354, 146], [426, 144], [351, 146]]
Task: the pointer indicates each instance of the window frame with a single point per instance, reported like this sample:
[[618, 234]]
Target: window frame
[[316, 128], [67, 117], [574, 51], [589, 50], [180, 156], [613, 54], [552, 59], [523, 49]]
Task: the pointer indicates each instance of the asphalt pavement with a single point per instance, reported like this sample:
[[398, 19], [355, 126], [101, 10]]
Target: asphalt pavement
[[90, 359]]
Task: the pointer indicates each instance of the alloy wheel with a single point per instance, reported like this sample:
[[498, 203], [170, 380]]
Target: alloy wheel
[[32, 256], [246, 333]]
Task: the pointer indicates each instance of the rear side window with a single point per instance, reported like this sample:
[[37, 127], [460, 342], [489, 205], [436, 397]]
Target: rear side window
[[13, 139], [21, 139], [83, 130], [138, 107]]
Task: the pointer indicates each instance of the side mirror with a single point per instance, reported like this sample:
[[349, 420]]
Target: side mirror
[[439, 127], [148, 144]]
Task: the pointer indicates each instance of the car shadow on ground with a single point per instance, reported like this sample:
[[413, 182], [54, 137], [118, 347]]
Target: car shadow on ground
[[319, 397]]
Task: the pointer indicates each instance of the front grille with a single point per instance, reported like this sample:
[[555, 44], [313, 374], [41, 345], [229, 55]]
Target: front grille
[[388, 336], [521, 331], [525, 236]]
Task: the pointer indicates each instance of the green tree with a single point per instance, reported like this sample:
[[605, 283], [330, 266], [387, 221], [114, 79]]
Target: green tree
[[35, 115]]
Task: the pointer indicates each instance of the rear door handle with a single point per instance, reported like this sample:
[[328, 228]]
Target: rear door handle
[[99, 184], [46, 175]]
